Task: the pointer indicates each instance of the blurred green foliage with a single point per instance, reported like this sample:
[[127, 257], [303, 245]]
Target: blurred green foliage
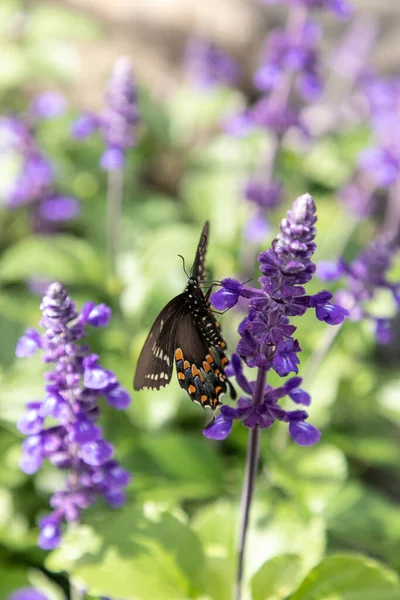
[[326, 519]]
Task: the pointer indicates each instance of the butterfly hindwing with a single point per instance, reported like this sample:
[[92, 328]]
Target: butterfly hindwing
[[155, 364], [197, 370]]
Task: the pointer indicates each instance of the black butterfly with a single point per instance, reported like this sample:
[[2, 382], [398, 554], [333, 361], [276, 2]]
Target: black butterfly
[[186, 331]]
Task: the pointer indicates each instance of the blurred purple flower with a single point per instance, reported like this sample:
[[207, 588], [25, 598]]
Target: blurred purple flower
[[363, 277], [297, 54], [47, 105], [118, 122], [73, 390], [35, 183], [208, 66]]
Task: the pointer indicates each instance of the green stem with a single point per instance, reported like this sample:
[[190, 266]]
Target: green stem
[[114, 216], [248, 486]]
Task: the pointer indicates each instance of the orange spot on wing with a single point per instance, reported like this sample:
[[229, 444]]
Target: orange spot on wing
[[206, 367], [192, 389], [203, 399], [178, 354], [181, 376], [186, 365], [218, 389]]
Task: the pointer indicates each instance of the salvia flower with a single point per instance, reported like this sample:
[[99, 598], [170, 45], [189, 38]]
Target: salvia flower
[[73, 442], [208, 66], [266, 333], [299, 54], [363, 277], [35, 182], [118, 122]]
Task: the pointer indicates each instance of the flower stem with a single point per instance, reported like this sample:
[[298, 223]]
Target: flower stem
[[248, 486], [114, 214]]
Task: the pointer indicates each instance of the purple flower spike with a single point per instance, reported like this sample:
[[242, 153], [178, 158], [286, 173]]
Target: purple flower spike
[[266, 334], [118, 122], [73, 390]]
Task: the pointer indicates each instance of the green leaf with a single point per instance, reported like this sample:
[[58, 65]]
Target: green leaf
[[277, 578], [128, 554], [183, 460], [349, 577], [368, 521], [19, 385], [12, 578], [312, 475], [274, 531], [62, 257]]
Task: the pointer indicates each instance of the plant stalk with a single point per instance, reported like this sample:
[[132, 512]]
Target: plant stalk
[[248, 486], [114, 216]]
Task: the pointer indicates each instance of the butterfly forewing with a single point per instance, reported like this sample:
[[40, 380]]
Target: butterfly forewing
[[199, 270], [155, 364]]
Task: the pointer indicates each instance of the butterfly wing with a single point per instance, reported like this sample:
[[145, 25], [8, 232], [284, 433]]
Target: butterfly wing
[[155, 364], [197, 370], [198, 269]]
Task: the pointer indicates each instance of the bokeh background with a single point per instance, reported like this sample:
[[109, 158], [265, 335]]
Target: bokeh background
[[341, 495]]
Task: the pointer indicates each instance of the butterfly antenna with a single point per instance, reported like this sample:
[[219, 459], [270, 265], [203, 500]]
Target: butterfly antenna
[[184, 265]]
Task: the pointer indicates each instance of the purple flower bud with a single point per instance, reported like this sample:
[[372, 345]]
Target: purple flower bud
[[96, 315], [117, 397], [383, 331], [83, 430], [84, 126], [50, 532], [28, 344], [238, 125], [300, 397], [328, 271], [48, 105], [59, 208], [303, 433], [208, 66], [112, 159], [96, 453], [31, 421], [333, 314], [219, 428]]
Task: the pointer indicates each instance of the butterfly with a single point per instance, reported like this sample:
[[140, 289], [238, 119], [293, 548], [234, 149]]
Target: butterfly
[[187, 333]]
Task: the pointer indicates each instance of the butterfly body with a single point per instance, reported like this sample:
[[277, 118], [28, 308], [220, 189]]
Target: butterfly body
[[187, 332]]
